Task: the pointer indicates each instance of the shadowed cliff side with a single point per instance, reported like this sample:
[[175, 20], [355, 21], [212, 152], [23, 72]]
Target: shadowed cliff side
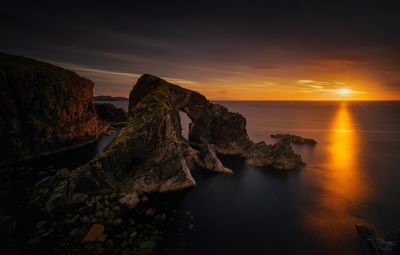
[[43, 109]]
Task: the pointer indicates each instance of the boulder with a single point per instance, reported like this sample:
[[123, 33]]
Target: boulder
[[129, 200], [95, 231], [207, 159]]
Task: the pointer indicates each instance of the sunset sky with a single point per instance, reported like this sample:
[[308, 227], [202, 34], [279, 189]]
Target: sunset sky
[[269, 50]]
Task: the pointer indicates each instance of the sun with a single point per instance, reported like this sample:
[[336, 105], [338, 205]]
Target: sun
[[344, 91]]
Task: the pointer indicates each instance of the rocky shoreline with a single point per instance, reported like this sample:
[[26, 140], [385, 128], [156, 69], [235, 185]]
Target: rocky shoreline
[[115, 202]]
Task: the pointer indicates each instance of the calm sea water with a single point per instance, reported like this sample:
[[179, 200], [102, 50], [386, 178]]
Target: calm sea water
[[352, 176]]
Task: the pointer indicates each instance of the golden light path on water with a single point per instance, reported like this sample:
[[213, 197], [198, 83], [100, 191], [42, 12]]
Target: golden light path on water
[[341, 182]]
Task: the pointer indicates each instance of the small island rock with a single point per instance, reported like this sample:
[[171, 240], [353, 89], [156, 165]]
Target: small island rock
[[294, 139]]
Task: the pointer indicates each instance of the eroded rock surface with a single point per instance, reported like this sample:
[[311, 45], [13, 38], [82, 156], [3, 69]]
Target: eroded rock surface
[[43, 109]]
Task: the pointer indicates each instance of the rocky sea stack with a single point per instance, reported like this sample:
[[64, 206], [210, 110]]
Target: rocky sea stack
[[44, 109]]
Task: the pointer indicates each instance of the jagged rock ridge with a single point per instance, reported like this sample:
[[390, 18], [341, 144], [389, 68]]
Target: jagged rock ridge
[[44, 109]]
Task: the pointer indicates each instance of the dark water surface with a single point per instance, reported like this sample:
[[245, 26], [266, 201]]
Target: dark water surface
[[352, 176]]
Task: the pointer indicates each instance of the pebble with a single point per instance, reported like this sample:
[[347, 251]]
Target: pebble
[[134, 234], [124, 244], [147, 245], [71, 221], [102, 238], [99, 214], [106, 214], [73, 232], [35, 240], [150, 212], [109, 242], [41, 224], [117, 221], [84, 219], [95, 231]]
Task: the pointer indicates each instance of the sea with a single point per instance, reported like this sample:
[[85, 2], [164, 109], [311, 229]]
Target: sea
[[352, 176]]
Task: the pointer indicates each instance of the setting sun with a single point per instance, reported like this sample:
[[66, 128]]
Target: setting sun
[[344, 91]]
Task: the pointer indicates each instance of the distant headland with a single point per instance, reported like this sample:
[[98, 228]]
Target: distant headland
[[109, 98]]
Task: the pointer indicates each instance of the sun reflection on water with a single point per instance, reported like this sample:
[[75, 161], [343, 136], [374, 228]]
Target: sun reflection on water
[[342, 186]]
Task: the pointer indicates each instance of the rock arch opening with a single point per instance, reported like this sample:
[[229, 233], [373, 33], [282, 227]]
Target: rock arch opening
[[185, 123]]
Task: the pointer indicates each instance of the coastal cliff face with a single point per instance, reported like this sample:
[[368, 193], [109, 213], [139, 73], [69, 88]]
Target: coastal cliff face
[[44, 109]]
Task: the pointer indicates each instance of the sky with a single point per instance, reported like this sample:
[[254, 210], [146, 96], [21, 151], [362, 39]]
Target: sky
[[226, 50]]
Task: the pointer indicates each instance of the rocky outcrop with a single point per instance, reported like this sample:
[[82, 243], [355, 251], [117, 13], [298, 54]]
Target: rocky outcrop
[[111, 114], [207, 159], [212, 124], [388, 245], [151, 155], [44, 109], [277, 156], [294, 139]]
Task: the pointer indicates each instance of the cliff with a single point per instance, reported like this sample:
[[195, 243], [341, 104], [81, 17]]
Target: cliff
[[44, 109]]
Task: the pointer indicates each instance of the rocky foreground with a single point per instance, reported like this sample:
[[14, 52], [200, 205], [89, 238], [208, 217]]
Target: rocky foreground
[[44, 109]]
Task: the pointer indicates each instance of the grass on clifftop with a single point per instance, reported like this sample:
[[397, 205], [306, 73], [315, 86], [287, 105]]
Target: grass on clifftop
[[17, 66], [154, 102]]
